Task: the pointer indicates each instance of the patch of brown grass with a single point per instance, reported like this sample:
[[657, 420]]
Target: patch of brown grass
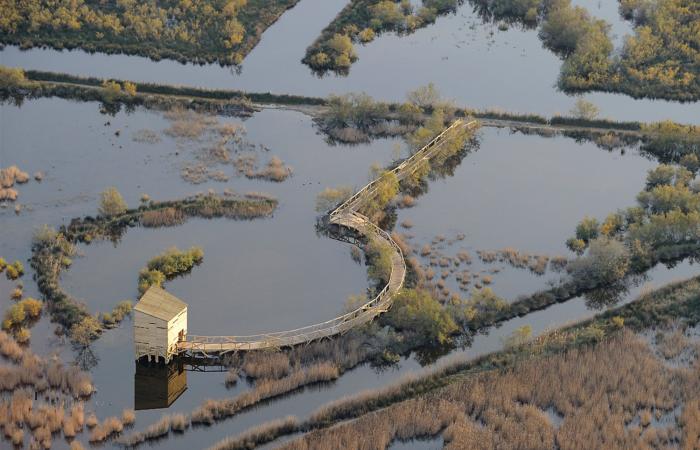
[[596, 391], [165, 217], [266, 365]]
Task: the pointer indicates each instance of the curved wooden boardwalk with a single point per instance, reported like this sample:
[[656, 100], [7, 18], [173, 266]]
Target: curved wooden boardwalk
[[346, 215]]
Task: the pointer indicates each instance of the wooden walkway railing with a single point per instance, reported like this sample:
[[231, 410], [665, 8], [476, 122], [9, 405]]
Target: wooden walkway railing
[[345, 215]]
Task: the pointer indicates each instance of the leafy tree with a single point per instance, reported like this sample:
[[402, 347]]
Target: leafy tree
[[111, 90], [366, 35], [424, 96], [583, 109], [111, 203], [84, 332], [129, 88], [587, 229], [417, 312], [606, 262], [379, 261]]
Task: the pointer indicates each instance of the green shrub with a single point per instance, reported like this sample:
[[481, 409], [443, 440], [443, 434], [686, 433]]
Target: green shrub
[[148, 278], [167, 265], [422, 316], [587, 229], [378, 260], [606, 262], [111, 203]]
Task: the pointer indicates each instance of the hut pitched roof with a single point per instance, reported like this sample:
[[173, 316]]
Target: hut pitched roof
[[158, 303]]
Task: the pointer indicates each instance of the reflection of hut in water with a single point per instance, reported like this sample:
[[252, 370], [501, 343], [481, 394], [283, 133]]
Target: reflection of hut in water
[[157, 385], [160, 321]]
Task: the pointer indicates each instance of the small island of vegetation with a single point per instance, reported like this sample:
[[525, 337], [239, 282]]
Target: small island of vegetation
[[222, 31]]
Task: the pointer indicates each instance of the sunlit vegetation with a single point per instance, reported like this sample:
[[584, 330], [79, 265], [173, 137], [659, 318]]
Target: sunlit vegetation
[[212, 411], [584, 351], [662, 227], [44, 399], [658, 61], [12, 271], [421, 317], [118, 313], [379, 260], [361, 21], [19, 317], [112, 203], [513, 407], [8, 177], [274, 170], [52, 250], [222, 31], [168, 265]]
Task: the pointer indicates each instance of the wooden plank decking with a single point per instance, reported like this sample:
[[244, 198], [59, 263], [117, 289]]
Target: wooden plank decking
[[345, 215]]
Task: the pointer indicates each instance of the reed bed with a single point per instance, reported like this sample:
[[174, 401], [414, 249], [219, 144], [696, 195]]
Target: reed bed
[[212, 411], [598, 393]]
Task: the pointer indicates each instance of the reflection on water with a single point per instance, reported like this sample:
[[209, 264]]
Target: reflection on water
[[158, 385]]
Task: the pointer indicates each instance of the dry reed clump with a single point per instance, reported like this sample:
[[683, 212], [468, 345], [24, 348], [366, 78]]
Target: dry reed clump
[[11, 175], [108, 428], [231, 378], [76, 445], [154, 431], [91, 421], [266, 365], [597, 392], [407, 224], [188, 124], [245, 163], [259, 435], [179, 423], [166, 217], [558, 263], [214, 410], [406, 201], [195, 173], [487, 256], [275, 170], [464, 257], [146, 136], [8, 194], [128, 417], [400, 241]]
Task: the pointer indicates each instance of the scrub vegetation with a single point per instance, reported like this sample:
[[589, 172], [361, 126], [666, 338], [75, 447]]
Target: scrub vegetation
[[168, 265], [361, 21], [222, 31], [493, 398], [658, 61]]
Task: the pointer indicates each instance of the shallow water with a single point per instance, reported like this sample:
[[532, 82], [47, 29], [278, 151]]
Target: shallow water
[[527, 193], [521, 191], [514, 169], [473, 63]]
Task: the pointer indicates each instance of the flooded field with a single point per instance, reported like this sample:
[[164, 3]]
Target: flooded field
[[514, 193], [475, 64], [279, 273]]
